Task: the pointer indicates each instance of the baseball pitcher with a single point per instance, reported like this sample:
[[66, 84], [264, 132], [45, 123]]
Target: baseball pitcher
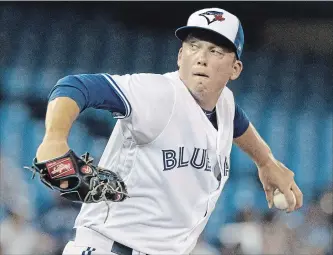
[[168, 157]]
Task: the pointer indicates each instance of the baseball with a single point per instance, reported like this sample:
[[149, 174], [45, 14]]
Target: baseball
[[280, 201]]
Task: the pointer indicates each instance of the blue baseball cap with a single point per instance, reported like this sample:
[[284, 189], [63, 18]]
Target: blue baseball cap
[[217, 21]]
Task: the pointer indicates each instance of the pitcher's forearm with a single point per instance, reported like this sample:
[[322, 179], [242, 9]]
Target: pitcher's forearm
[[60, 116], [252, 144]]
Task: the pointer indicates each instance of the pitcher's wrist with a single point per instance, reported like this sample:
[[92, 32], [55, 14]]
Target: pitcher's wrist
[[265, 162]]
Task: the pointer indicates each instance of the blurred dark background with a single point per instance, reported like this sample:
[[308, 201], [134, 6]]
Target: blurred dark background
[[285, 88]]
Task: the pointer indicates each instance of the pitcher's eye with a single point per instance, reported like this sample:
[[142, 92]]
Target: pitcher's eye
[[217, 52], [194, 46]]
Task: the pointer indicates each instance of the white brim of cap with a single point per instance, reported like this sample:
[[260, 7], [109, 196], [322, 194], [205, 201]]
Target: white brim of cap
[[182, 32]]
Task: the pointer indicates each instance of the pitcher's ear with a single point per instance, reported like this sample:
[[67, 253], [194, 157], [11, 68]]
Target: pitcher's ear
[[237, 69], [179, 56]]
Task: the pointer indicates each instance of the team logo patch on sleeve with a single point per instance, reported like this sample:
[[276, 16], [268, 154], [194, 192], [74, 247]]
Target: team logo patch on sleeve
[[212, 16], [60, 168]]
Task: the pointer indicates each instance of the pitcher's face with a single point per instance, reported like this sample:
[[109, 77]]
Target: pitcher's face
[[205, 66]]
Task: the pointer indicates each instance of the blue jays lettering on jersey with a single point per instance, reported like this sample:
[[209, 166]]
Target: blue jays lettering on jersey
[[176, 159], [100, 91], [172, 159]]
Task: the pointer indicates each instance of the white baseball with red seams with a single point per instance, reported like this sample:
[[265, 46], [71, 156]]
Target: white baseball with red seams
[[280, 201]]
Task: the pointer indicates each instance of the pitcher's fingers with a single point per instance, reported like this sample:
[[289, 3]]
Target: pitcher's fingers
[[269, 196], [64, 184], [288, 193], [298, 194]]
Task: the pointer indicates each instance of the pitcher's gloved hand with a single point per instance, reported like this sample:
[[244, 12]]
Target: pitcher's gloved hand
[[86, 183]]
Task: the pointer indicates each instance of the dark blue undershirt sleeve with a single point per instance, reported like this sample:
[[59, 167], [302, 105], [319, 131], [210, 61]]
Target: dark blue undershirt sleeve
[[241, 122], [89, 90]]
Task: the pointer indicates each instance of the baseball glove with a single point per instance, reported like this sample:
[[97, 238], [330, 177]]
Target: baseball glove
[[86, 183]]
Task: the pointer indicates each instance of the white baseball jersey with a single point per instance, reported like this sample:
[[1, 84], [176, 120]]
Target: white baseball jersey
[[174, 163]]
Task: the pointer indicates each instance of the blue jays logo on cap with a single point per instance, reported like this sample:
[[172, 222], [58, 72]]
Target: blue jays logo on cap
[[226, 24], [217, 16]]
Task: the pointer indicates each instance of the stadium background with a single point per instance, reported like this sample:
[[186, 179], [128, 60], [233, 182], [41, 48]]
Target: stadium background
[[285, 88]]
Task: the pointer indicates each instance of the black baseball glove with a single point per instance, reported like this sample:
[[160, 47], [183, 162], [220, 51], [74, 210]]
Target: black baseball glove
[[86, 183]]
